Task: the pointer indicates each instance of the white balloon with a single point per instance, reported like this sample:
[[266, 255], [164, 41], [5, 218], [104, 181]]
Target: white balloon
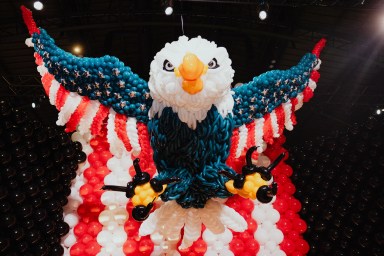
[[76, 136], [105, 217], [121, 199], [103, 252], [219, 246], [273, 216], [279, 253], [120, 215], [69, 241], [108, 197], [112, 225], [226, 236], [209, 237], [110, 179], [270, 246], [119, 237], [268, 226], [110, 248], [258, 214], [104, 237], [66, 252], [210, 252], [226, 252], [156, 238], [87, 149], [118, 252], [261, 235], [71, 219], [277, 236], [114, 164]]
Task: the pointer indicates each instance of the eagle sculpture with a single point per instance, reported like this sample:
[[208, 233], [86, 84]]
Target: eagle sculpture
[[187, 119]]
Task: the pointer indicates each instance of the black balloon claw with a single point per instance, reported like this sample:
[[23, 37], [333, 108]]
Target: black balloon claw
[[114, 188], [276, 162], [137, 166], [141, 212], [248, 155]]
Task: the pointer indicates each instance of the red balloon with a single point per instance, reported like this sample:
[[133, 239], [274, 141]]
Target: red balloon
[[93, 157], [252, 225], [302, 246], [130, 247], [146, 246], [92, 247], [287, 246], [247, 205], [86, 238], [200, 246], [80, 229], [85, 190], [295, 205], [280, 204], [284, 225], [77, 249], [236, 246], [300, 226], [252, 246], [94, 228], [102, 171], [93, 180], [89, 173], [131, 227], [105, 156]]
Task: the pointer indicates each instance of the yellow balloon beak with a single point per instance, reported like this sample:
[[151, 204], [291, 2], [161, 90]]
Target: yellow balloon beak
[[191, 70]]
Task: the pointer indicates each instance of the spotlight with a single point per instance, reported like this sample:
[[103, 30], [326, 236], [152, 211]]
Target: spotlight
[[378, 111], [263, 10], [263, 15], [168, 10], [38, 5], [169, 7], [33, 105]]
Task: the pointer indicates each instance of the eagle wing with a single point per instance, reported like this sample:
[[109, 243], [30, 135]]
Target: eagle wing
[[265, 105], [90, 92]]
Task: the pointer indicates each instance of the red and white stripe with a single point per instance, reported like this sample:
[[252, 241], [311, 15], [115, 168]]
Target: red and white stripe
[[87, 115]]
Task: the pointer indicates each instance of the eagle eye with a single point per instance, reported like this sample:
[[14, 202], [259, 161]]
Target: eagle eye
[[213, 64], [167, 66]]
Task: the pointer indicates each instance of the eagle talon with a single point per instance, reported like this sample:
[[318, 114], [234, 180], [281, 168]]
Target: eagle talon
[[265, 194], [254, 181], [142, 190]]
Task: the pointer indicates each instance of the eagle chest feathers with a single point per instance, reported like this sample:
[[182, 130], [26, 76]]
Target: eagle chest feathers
[[194, 155]]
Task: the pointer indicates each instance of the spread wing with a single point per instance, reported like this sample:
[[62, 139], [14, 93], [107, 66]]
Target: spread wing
[[264, 106], [89, 92]]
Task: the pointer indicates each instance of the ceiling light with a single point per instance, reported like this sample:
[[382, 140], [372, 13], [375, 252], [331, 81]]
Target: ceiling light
[[263, 10], [169, 8], [263, 15], [77, 49], [33, 105], [378, 111], [38, 5]]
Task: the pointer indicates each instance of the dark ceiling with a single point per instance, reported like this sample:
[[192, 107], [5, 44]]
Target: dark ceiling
[[350, 89]]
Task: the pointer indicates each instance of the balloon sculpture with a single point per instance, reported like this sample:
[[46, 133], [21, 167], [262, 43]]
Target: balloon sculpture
[[193, 140]]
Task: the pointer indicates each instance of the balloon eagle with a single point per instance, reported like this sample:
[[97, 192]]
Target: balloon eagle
[[187, 118]]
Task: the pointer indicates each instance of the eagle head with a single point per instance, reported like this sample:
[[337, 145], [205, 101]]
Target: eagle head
[[190, 76]]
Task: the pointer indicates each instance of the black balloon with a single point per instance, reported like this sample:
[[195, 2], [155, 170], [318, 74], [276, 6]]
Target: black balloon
[[339, 181]]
